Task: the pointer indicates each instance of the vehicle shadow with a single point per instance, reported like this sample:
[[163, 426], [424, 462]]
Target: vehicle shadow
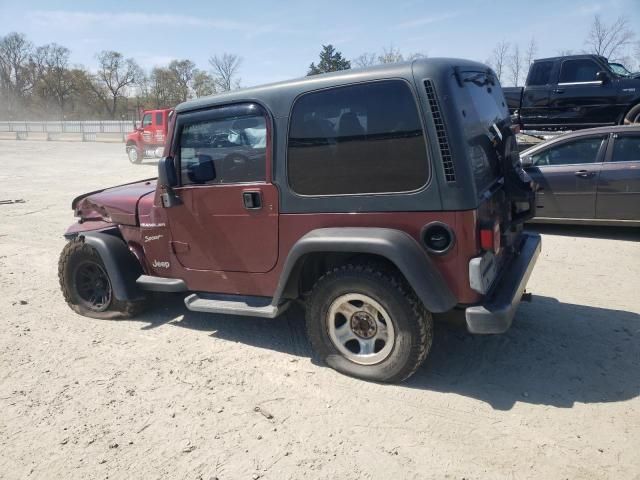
[[555, 354], [588, 231]]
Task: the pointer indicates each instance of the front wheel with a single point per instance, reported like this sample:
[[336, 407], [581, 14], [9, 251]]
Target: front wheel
[[86, 286], [368, 324], [135, 155]]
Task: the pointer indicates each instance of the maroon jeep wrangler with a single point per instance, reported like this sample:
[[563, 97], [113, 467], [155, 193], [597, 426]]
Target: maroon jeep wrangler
[[377, 197]]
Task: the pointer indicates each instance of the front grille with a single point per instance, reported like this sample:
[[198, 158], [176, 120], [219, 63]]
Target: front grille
[[441, 131]]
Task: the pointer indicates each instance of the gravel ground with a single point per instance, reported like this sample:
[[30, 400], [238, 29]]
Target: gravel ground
[[177, 394]]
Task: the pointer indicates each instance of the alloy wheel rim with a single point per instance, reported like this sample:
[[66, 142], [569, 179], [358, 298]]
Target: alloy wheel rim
[[93, 286], [360, 329]]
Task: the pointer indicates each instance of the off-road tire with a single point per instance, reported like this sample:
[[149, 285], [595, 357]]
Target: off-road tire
[[633, 116], [413, 324], [75, 253]]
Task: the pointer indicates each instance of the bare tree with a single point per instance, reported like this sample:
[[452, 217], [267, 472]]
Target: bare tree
[[390, 55], [499, 58], [225, 69], [203, 84], [529, 57], [15, 53], [515, 65], [365, 60], [115, 74], [532, 51], [183, 71], [610, 41], [57, 80], [416, 56], [164, 88]]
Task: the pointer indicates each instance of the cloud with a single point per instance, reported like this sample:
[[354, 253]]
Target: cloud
[[81, 19], [419, 22], [589, 9]]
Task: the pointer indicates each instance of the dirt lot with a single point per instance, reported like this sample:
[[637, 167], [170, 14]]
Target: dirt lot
[[173, 394]]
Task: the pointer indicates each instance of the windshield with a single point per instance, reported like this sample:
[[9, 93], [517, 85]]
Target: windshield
[[619, 69]]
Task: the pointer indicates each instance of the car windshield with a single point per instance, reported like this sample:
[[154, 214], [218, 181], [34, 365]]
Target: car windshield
[[620, 69]]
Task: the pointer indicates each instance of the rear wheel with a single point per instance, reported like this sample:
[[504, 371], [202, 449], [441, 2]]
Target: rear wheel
[[633, 116], [135, 155], [86, 286], [368, 324]]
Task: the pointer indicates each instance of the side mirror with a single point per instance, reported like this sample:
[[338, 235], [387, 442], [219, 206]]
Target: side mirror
[[526, 162], [167, 179], [602, 76]]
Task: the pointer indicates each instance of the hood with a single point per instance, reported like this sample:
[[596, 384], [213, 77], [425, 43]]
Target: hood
[[114, 205]]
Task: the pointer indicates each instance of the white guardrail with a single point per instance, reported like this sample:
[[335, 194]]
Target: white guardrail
[[85, 131]]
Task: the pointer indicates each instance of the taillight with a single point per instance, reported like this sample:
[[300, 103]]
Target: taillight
[[490, 238]]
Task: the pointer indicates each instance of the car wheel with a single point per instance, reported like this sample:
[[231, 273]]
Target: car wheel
[[633, 116], [135, 156], [368, 324], [86, 286]]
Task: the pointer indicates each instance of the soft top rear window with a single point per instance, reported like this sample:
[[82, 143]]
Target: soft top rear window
[[488, 116]]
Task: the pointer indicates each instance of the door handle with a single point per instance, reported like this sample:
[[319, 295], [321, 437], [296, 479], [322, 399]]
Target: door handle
[[584, 174], [558, 90], [252, 200]]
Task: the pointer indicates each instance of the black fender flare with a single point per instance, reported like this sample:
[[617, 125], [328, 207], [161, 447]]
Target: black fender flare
[[122, 266], [395, 245]]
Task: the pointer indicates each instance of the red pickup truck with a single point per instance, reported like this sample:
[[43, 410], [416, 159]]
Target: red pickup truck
[[149, 137]]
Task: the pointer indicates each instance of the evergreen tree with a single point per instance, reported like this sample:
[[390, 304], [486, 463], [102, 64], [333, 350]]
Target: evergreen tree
[[330, 61]]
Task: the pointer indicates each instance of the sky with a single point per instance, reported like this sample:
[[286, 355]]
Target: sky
[[278, 40]]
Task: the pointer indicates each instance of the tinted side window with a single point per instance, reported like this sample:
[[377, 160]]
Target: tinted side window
[[578, 71], [357, 139], [626, 149], [228, 150], [159, 118], [540, 73], [146, 120], [584, 150]]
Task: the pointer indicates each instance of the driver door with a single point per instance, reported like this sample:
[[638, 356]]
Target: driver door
[[147, 128], [228, 219]]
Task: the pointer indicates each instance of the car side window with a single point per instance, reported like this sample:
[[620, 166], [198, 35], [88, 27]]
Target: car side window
[[584, 150], [575, 71], [225, 150], [357, 139], [146, 120], [159, 118], [540, 74], [626, 149]]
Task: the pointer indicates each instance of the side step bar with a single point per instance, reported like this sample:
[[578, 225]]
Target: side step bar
[[161, 284], [234, 305]]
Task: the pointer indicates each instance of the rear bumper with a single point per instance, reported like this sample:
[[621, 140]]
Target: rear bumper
[[496, 313]]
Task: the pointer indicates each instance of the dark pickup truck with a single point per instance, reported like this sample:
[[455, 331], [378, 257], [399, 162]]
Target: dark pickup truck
[[573, 92]]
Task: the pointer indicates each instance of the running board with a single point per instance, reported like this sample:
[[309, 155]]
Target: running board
[[234, 305]]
